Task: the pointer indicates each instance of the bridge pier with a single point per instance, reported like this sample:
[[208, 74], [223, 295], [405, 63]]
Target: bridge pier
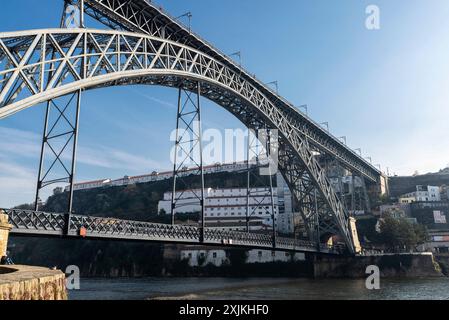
[[5, 228]]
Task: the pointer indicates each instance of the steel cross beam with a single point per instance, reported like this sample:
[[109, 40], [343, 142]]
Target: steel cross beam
[[144, 17], [120, 58]]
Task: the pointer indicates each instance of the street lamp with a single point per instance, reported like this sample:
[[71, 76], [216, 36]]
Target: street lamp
[[239, 55], [359, 150], [344, 139], [325, 124], [305, 107], [189, 16], [370, 160], [275, 83]]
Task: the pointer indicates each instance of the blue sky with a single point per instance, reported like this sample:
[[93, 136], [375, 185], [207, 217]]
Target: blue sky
[[386, 90]]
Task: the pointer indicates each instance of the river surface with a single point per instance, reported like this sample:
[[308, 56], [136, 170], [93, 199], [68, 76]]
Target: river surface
[[258, 289]]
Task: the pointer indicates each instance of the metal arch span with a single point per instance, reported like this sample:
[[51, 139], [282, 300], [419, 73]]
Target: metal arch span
[[44, 64], [143, 16]]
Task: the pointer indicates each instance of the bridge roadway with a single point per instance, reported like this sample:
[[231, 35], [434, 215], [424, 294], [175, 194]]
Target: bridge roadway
[[44, 224]]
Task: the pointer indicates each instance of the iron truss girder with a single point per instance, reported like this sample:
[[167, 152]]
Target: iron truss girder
[[65, 61], [144, 17], [45, 224]]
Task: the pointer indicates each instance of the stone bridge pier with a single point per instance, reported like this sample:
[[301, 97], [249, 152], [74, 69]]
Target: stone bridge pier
[[5, 228]]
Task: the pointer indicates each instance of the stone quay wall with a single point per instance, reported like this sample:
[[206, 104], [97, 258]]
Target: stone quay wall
[[31, 283]]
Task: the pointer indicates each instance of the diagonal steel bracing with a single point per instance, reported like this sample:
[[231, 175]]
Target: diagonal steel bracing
[[188, 153]]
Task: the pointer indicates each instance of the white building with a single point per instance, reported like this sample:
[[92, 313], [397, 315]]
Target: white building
[[226, 209], [286, 219], [422, 194], [157, 176], [90, 185], [218, 257]]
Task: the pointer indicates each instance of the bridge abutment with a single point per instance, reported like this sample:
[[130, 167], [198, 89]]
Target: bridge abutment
[[5, 228], [390, 266]]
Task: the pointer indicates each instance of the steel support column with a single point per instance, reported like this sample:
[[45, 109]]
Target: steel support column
[[63, 131], [258, 157], [188, 153]]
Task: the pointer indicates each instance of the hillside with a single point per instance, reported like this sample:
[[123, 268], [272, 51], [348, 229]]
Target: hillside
[[402, 185]]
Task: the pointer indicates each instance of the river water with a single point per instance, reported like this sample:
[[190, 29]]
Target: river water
[[258, 289]]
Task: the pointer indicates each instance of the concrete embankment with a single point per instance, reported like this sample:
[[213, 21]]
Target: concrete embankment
[[31, 283], [390, 266]]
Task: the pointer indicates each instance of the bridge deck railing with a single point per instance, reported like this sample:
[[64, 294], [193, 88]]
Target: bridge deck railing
[[49, 224]]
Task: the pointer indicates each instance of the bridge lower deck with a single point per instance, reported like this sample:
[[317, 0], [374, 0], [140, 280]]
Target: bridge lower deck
[[44, 224]]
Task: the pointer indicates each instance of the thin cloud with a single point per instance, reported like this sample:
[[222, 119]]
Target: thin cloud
[[17, 183], [158, 101], [19, 143]]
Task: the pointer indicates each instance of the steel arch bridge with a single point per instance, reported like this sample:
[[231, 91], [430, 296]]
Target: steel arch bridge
[[149, 47]]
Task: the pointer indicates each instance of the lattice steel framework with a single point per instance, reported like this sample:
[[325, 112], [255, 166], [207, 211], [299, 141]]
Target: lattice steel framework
[[119, 58], [59, 144], [188, 152], [61, 125], [259, 169]]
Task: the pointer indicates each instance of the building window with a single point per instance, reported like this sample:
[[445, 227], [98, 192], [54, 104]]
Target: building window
[[214, 254]]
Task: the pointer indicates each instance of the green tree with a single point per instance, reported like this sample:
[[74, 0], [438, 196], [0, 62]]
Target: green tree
[[401, 233]]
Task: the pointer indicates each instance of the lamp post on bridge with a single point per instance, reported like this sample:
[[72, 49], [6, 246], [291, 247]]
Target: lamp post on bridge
[[237, 54], [276, 84], [325, 124], [305, 107], [189, 16]]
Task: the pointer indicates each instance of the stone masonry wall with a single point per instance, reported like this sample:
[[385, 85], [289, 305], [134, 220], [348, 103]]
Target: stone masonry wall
[[5, 227], [391, 266], [31, 283]]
